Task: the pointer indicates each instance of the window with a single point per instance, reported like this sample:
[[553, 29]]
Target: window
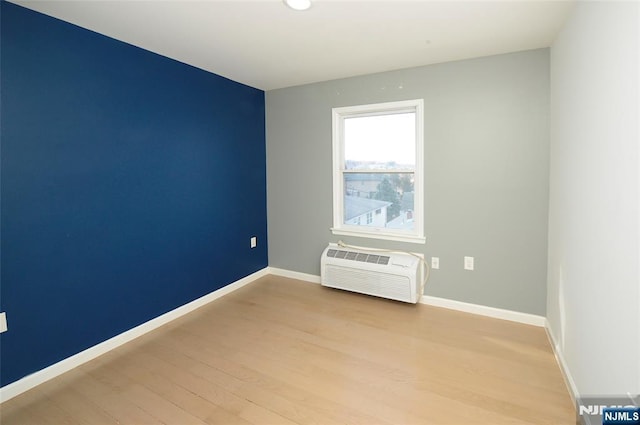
[[378, 160]]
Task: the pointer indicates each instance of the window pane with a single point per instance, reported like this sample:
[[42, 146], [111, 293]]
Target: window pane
[[379, 200], [380, 141]]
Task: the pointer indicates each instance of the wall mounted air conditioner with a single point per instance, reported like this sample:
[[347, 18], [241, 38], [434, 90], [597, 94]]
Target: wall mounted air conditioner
[[397, 276]]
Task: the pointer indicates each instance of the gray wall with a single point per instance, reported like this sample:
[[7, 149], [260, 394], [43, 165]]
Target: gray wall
[[486, 171], [594, 282]]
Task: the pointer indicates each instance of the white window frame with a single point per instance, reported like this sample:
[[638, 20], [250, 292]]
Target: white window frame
[[338, 117]]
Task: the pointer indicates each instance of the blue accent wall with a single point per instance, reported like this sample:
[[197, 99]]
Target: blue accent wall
[[131, 184]]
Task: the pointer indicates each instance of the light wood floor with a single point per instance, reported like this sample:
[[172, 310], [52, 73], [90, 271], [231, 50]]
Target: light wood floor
[[280, 351]]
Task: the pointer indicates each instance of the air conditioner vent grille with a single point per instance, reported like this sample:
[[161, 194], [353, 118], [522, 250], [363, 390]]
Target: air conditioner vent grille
[[358, 256], [393, 275], [385, 285]]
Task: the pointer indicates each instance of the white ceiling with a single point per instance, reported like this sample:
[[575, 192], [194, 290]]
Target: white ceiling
[[264, 44]]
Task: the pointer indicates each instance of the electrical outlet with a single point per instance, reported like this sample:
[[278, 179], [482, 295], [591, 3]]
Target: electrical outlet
[[254, 241], [435, 263], [3, 322], [468, 263]]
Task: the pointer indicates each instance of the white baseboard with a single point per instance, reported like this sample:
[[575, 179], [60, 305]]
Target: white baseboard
[[11, 390], [483, 310], [564, 368], [514, 316], [294, 275]]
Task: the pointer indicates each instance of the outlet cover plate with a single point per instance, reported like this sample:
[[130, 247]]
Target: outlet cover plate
[[468, 263]]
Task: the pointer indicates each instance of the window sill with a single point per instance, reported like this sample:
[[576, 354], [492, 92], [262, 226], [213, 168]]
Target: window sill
[[380, 235]]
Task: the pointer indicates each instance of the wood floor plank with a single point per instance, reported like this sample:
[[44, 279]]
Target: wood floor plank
[[280, 351], [145, 399], [329, 370], [213, 392], [294, 402], [397, 375], [138, 369], [113, 400], [80, 407]]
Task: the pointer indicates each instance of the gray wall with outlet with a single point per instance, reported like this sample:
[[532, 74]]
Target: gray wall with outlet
[[486, 173]]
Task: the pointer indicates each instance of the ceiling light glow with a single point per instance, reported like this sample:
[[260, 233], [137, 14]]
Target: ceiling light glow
[[298, 4]]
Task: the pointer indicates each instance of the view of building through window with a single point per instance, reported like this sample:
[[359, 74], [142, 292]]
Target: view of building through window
[[379, 170]]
